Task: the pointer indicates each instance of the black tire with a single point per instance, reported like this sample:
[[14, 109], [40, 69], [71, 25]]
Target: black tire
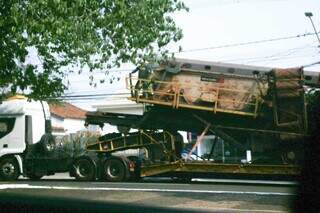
[[9, 169], [84, 170], [114, 170], [47, 143], [290, 157], [34, 176]]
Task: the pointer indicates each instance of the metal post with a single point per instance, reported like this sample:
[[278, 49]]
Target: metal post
[[199, 140], [223, 158], [309, 15]]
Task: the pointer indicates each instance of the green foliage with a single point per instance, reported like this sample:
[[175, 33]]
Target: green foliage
[[313, 96], [76, 34], [313, 109]]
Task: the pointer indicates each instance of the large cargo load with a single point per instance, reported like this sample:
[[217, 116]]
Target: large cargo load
[[224, 88], [252, 120]]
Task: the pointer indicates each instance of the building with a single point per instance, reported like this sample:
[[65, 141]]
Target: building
[[67, 119], [121, 104], [118, 104]]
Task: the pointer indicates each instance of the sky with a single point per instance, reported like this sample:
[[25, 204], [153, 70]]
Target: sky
[[211, 24]]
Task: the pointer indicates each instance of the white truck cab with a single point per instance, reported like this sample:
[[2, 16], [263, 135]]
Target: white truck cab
[[22, 123]]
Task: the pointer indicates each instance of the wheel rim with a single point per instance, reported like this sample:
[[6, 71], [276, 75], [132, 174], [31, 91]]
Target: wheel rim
[[48, 147], [83, 168], [113, 170], [8, 169], [289, 157]]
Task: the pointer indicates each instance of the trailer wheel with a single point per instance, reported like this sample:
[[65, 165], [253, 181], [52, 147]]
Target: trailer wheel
[[9, 169], [114, 170], [84, 170], [289, 157]]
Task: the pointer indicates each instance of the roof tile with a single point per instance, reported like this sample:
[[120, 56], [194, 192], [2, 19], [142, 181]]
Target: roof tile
[[66, 110]]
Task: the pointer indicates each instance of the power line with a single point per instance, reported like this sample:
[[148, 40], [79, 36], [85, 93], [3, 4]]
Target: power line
[[312, 64], [90, 95], [93, 91], [278, 54], [247, 43], [110, 71], [82, 99], [281, 58]]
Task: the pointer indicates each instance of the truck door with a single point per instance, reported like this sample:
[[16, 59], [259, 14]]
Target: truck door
[[12, 135]]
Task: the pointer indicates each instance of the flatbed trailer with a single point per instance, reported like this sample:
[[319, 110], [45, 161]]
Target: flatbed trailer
[[173, 165], [209, 169]]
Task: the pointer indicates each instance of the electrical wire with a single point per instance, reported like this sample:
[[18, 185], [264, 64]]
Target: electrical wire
[[88, 96], [265, 58], [282, 58], [312, 64], [287, 52], [247, 43], [109, 71]]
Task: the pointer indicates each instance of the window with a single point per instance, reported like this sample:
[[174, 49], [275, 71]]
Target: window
[[6, 126]]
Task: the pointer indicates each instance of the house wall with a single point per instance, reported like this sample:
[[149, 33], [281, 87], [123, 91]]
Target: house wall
[[74, 125], [107, 128], [57, 121]]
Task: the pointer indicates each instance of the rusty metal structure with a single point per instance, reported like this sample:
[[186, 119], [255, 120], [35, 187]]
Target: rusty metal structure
[[242, 91], [250, 108]]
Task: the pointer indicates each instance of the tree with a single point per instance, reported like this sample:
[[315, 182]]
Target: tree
[[69, 36]]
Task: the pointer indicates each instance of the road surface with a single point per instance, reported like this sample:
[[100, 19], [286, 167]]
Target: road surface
[[215, 195]]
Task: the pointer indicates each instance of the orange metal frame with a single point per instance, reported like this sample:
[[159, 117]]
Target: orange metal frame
[[173, 98]]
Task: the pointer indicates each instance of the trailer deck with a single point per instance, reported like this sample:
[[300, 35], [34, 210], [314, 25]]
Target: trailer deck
[[220, 168]]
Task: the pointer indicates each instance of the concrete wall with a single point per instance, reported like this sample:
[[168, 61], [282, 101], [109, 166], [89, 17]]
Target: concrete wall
[[74, 125], [57, 121]]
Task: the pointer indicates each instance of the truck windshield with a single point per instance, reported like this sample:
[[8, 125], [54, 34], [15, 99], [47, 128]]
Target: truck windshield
[[6, 126]]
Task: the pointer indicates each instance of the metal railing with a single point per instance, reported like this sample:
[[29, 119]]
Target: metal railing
[[172, 94], [141, 139]]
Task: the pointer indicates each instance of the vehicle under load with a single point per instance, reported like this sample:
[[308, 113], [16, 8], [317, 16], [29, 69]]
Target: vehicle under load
[[249, 121], [258, 114]]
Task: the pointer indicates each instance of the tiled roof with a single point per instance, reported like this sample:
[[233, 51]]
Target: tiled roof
[[66, 110]]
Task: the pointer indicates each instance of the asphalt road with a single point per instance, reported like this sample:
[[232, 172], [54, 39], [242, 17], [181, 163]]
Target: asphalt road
[[214, 195]]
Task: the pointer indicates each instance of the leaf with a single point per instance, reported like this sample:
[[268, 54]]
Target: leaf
[[86, 33]]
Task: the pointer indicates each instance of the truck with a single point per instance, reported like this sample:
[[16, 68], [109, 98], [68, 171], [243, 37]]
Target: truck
[[26, 144], [28, 148], [251, 120]]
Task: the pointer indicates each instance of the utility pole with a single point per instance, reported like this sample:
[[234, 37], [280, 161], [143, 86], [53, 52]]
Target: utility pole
[[309, 15]]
